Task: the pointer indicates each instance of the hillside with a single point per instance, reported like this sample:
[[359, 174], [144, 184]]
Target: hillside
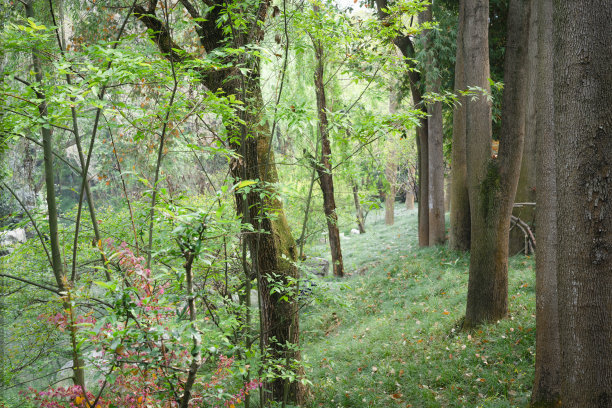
[[389, 334]]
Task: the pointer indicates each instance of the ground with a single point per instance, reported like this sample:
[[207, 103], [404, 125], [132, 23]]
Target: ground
[[388, 335]]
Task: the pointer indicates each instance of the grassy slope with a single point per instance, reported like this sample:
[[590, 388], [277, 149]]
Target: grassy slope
[[387, 336]]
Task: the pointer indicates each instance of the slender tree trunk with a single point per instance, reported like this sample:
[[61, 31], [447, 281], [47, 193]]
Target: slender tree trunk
[[493, 181], [358, 209], [526, 190], [324, 169], [406, 47], [391, 161], [583, 140], [54, 242], [459, 235], [547, 365], [435, 154], [390, 175]]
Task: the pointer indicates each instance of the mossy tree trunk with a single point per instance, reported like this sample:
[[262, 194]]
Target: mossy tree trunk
[[493, 181], [583, 139], [547, 365]]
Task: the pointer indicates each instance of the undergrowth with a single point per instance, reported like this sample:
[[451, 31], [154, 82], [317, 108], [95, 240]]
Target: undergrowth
[[389, 334]]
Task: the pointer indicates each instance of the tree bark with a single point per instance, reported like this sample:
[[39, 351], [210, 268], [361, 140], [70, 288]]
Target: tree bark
[[324, 168], [493, 181], [459, 235], [547, 365], [583, 139]]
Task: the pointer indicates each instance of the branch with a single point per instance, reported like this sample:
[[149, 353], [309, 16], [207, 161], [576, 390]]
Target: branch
[[39, 285]]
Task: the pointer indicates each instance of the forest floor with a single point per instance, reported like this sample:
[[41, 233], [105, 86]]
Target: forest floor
[[388, 335]]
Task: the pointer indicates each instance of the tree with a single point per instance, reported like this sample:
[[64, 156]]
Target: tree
[[273, 250], [493, 181], [405, 44], [324, 168], [435, 154], [547, 370], [583, 140], [459, 235]]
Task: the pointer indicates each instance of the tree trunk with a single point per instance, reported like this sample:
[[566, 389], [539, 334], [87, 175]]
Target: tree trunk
[[273, 251], [493, 181], [526, 190], [459, 235], [358, 209], [324, 168], [583, 140], [546, 383], [390, 174], [435, 154], [409, 197], [406, 47], [391, 162], [54, 242]]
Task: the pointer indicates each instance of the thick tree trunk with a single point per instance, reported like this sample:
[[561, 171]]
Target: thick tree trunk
[[583, 140], [459, 235], [358, 209], [547, 365], [492, 182], [324, 169]]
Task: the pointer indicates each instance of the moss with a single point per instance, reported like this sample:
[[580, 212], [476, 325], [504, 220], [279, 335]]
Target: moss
[[490, 187]]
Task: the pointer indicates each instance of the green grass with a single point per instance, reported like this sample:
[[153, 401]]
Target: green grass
[[388, 335]]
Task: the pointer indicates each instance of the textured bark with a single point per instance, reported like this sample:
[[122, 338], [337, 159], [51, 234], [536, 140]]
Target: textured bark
[[459, 234], [546, 383], [324, 168], [274, 250], [583, 139], [493, 181], [406, 47]]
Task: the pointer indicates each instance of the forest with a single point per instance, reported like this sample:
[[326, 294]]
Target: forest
[[305, 203]]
